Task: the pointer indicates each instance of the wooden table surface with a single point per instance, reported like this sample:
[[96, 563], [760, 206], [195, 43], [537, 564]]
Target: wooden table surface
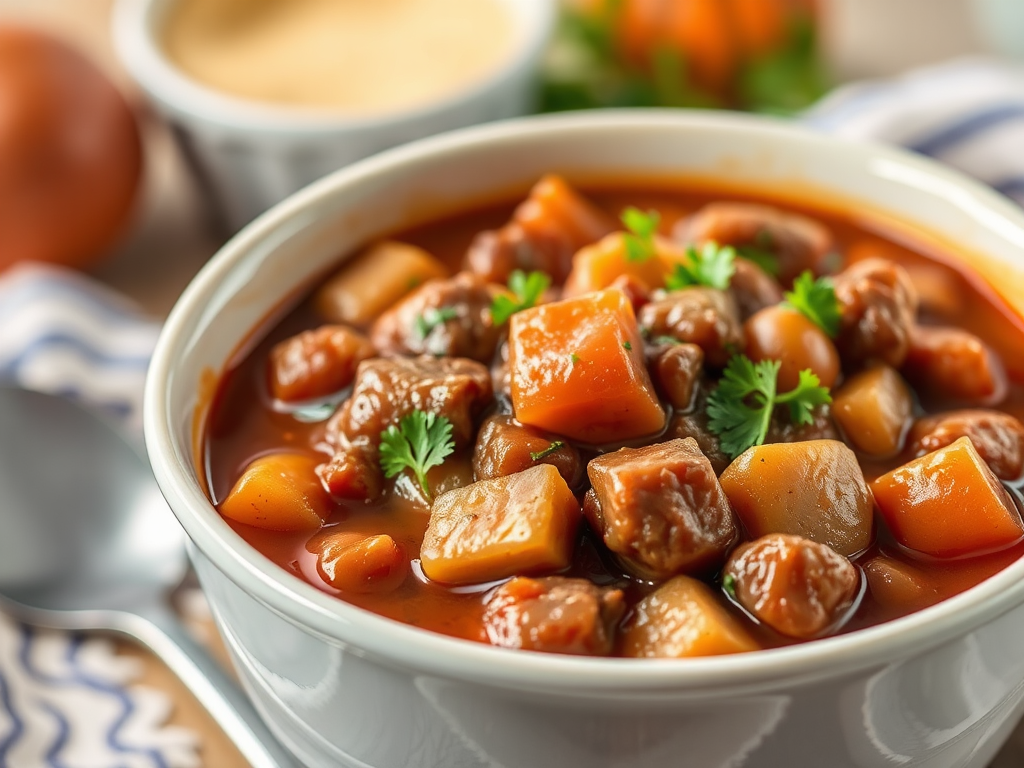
[[169, 240]]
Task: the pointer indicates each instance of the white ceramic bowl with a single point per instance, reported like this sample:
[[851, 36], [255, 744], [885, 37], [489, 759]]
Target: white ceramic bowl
[[250, 155], [341, 686]]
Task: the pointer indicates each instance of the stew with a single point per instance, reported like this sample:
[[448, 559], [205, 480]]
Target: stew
[[633, 421]]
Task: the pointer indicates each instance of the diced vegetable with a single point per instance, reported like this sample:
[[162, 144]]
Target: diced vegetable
[[948, 504], [661, 509], [513, 525], [353, 562], [279, 492], [374, 280], [573, 373], [316, 363], [783, 334], [813, 489], [794, 585], [596, 266], [682, 618], [874, 408]]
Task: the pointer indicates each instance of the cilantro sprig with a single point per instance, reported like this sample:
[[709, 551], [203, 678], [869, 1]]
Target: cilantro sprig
[[431, 317], [712, 266], [419, 442], [640, 230], [526, 290], [816, 300], [740, 408]]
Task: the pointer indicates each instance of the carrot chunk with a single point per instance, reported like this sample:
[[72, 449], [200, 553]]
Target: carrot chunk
[[597, 266], [948, 503], [577, 369], [279, 492], [512, 525]]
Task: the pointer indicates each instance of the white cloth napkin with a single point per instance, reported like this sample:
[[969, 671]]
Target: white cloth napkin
[[67, 701]]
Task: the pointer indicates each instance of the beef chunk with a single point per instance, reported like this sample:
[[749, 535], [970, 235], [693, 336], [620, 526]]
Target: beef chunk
[[387, 389], [954, 365], [702, 316], [879, 305], [783, 430], [753, 288], [998, 438], [316, 363], [660, 509], [678, 371], [555, 615], [504, 446], [796, 242], [545, 232], [794, 585], [442, 317]]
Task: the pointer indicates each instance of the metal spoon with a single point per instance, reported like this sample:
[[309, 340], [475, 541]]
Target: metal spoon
[[87, 542]]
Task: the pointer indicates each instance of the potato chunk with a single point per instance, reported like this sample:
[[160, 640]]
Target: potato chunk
[[683, 618], [373, 281], [660, 509], [796, 586], [279, 492], [578, 370], [948, 503], [874, 407], [516, 524], [813, 489]]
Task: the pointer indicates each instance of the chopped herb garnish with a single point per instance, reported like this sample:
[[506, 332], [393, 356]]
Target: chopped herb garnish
[[547, 451], [574, 358], [527, 290], [419, 442], [672, 340], [712, 266], [764, 259], [627, 345], [729, 585], [431, 317], [816, 300], [639, 237], [741, 406]]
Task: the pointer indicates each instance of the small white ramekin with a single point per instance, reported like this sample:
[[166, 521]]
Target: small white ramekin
[[250, 155], [940, 688]]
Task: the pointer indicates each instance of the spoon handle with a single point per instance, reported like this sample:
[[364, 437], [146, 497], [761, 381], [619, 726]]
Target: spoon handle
[[163, 633]]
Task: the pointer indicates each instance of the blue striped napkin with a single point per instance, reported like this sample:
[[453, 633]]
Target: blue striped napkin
[[67, 701]]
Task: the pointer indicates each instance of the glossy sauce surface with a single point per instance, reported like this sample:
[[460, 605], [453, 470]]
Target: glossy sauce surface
[[246, 424]]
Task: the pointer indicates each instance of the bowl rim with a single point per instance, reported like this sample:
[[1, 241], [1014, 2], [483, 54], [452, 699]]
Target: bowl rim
[[409, 647], [132, 27]]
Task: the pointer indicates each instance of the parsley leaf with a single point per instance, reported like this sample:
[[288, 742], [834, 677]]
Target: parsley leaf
[[527, 289], [538, 455], [741, 406], [729, 585], [431, 317], [712, 266], [419, 442], [816, 300], [639, 238]]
